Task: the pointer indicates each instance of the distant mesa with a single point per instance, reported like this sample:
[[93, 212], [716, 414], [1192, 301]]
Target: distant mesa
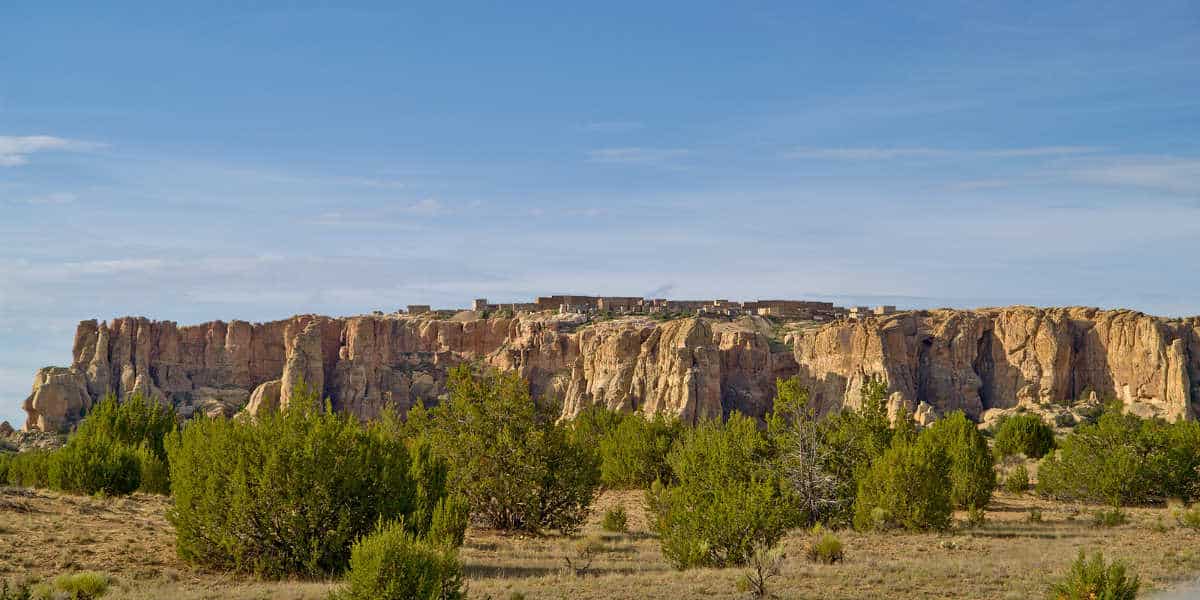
[[694, 360]]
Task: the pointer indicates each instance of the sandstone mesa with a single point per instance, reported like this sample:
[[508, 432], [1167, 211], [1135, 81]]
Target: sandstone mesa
[[985, 362]]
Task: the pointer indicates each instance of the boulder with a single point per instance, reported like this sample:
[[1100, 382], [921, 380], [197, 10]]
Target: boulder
[[265, 397], [58, 400]]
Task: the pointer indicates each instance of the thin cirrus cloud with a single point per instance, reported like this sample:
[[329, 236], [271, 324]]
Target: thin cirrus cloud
[[382, 216], [50, 199], [1165, 174], [637, 155], [889, 153], [16, 150], [1169, 174]]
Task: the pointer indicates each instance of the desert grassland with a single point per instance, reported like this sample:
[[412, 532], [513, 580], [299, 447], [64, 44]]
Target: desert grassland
[[44, 533]]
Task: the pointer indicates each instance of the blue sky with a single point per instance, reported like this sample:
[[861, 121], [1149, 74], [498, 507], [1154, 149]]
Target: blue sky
[[202, 163]]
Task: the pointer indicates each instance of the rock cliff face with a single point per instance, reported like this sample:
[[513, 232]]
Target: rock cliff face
[[996, 359], [933, 362]]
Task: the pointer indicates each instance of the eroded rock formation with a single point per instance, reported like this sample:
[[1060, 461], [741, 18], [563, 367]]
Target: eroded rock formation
[[998, 359], [934, 362]]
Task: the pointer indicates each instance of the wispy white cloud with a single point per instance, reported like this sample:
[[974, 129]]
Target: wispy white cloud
[[50, 199], [637, 155], [590, 212], [425, 207], [1169, 174], [888, 153], [15, 150]]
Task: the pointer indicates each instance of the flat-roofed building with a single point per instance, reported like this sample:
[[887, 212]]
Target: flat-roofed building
[[618, 303], [858, 312]]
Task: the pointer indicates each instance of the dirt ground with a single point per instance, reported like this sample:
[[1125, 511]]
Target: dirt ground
[[44, 534]]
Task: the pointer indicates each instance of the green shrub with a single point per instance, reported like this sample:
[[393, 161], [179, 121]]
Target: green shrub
[[1189, 517], [5, 460], [765, 564], [972, 468], [790, 406], [909, 487], [1017, 479], [725, 500], [825, 547], [95, 464], [17, 590], [429, 473], [1024, 434], [135, 421], [153, 475], [515, 466], [85, 585], [976, 517], [634, 453], [288, 493], [1177, 461], [616, 520], [1111, 517], [393, 564], [580, 553], [1095, 580], [30, 468], [114, 447], [1123, 459], [1034, 516], [593, 424], [448, 527]]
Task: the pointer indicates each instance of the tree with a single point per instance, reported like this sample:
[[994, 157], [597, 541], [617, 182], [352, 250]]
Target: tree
[[1124, 459], [634, 454], [1024, 434], [725, 500], [852, 440], [516, 467], [118, 448], [288, 493], [972, 468], [908, 486], [805, 458]]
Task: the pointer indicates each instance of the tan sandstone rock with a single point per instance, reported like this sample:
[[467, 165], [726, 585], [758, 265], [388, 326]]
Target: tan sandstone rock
[[304, 366], [264, 398], [979, 361], [59, 399]]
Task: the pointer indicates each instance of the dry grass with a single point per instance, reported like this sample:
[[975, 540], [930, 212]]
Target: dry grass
[[44, 534]]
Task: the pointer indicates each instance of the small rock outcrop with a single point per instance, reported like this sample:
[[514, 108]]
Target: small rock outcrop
[[60, 398], [264, 398]]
